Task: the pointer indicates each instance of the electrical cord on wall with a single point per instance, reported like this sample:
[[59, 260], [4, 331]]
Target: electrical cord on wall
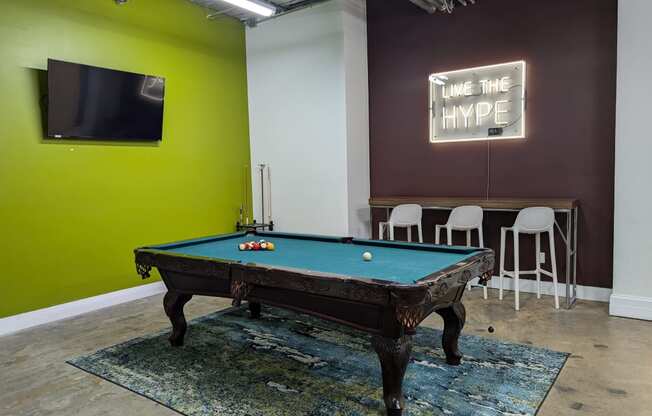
[[488, 167]]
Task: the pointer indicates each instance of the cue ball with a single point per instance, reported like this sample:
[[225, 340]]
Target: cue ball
[[366, 256]]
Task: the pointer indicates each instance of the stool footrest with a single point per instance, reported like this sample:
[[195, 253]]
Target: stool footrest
[[520, 272]]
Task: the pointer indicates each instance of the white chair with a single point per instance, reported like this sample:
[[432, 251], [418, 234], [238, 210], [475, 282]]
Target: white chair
[[465, 218], [536, 220], [402, 216]]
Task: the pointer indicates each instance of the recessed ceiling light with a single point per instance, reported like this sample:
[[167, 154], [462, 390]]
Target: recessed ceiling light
[[258, 8]]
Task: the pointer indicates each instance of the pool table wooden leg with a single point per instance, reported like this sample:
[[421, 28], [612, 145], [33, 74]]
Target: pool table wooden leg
[[173, 303], [394, 356], [454, 318], [254, 310]]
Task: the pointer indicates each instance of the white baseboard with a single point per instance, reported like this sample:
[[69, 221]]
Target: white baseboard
[[66, 310], [628, 306], [598, 294]]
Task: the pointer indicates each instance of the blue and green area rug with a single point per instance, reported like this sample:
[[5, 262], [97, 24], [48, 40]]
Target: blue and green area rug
[[292, 364]]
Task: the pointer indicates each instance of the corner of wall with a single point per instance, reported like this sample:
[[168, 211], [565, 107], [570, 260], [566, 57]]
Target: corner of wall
[[357, 114]]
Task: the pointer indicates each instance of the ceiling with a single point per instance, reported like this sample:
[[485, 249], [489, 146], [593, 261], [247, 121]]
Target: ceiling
[[218, 8]]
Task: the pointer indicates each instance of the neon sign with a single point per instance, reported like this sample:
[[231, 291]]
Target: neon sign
[[483, 103]]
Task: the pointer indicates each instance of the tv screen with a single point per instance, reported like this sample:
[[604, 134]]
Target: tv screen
[[97, 103]]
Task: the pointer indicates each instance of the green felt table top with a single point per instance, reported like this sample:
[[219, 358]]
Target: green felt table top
[[392, 261]]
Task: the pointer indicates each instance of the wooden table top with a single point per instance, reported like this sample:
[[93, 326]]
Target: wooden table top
[[490, 203]]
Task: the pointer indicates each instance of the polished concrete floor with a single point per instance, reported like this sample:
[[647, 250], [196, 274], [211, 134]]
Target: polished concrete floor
[[608, 373]]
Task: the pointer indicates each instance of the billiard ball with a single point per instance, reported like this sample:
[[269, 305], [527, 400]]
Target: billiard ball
[[490, 329], [270, 246], [255, 246], [366, 256], [263, 246], [242, 246]]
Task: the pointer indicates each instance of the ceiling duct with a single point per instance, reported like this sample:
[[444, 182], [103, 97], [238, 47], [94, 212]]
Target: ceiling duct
[[432, 6]]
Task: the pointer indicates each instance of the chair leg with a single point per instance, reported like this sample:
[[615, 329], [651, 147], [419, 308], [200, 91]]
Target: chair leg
[[437, 232], [516, 271], [409, 233], [553, 262], [381, 230], [449, 236], [501, 271], [481, 242], [468, 244], [537, 260], [420, 231], [391, 231]]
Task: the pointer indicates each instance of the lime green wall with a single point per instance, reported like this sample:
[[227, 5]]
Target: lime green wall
[[72, 212]]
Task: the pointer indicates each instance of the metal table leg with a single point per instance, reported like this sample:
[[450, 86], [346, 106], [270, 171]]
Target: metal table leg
[[569, 249], [570, 241], [576, 215]]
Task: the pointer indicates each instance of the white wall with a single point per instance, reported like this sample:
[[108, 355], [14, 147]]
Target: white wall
[[632, 294], [357, 117], [308, 117]]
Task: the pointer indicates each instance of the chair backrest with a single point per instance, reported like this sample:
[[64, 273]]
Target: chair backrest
[[406, 214], [466, 216], [535, 219]]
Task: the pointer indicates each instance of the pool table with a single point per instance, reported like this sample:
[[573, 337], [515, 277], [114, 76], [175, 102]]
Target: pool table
[[327, 277]]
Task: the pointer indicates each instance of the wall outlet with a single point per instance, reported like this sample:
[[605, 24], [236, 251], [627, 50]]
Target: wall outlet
[[542, 257], [495, 131]]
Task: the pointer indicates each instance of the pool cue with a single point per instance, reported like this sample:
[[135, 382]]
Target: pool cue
[[269, 193], [262, 192], [245, 183]]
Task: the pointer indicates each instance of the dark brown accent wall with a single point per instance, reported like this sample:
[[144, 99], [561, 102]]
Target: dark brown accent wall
[[570, 50]]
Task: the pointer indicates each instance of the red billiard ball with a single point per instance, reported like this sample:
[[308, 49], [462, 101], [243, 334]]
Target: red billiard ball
[[256, 246]]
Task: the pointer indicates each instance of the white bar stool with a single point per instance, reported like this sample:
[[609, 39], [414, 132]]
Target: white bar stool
[[535, 220], [403, 216], [464, 218]]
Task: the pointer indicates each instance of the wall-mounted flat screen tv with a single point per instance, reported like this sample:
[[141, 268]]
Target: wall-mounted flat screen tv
[[98, 103]]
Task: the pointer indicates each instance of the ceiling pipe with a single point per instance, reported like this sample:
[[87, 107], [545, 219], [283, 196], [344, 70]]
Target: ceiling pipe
[[425, 5], [431, 6]]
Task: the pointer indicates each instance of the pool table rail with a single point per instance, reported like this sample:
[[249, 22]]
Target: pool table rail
[[410, 303]]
